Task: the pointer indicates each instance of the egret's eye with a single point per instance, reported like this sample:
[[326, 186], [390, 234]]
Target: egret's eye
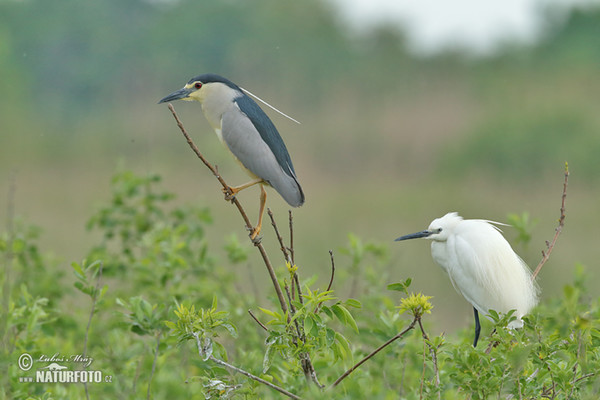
[[438, 230], [198, 85]]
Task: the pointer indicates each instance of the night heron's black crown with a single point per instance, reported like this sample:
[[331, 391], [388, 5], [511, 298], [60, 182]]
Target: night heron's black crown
[[213, 78]]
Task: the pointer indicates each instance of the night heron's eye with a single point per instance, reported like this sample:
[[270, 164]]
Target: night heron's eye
[[198, 85]]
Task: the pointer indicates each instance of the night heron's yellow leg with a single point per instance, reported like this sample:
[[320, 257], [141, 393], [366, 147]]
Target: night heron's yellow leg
[[236, 189], [263, 201]]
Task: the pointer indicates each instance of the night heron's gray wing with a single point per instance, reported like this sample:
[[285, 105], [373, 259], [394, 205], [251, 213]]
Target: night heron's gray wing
[[255, 142]]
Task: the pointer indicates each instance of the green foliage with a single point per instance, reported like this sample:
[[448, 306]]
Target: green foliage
[[171, 331]]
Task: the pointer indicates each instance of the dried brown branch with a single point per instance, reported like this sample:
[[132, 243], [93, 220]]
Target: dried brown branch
[[235, 201], [291, 248], [257, 321], [558, 230], [332, 271], [318, 308], [296, 282], [286, 255], [374, 352]]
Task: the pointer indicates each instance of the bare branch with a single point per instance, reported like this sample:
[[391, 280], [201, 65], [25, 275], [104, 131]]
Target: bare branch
[[296, 281], [306, 358], [291, 248], [257, 321], [374, 352], [332, 270], [253, 377], [330, 280], [286, 255], [558, 230], [235, 201]]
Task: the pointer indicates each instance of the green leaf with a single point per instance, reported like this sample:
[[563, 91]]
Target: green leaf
[[329, 337], [353, 303], [268, 358], [339, 313], [400, 286], [308, 325], [78, 271], [344, 316]]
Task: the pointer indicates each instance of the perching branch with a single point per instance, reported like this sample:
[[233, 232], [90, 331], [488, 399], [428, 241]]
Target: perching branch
[[309, 369], [558, 230], [377, 350], [235, 201]]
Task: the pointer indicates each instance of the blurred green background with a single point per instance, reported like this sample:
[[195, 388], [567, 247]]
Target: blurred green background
[[389, 140]]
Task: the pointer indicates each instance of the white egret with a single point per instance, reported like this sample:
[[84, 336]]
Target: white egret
[[481, 266]]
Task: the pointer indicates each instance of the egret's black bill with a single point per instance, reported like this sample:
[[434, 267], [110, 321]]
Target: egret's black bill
[[179, 94], [415, 235]]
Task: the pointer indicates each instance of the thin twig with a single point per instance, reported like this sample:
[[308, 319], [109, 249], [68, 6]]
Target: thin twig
[[318, 308], [293, 258], [558, 230], [257, 321], [291, 221], [153, 364], [374, 352], [585, 376], [202, 354], [235, 201], [254, 377], [332, 271], [286, 255]]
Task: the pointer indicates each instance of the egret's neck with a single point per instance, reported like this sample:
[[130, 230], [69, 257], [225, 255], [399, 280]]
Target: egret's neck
[[439, 252]]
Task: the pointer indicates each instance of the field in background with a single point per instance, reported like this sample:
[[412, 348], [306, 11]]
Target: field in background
[[387, 142]]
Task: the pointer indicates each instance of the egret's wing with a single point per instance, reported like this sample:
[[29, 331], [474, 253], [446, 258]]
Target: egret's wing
[[467, 273], [249, 146], [495, 276]]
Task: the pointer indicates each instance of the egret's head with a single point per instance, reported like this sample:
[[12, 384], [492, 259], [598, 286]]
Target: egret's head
[[439, 229], [201, 87]]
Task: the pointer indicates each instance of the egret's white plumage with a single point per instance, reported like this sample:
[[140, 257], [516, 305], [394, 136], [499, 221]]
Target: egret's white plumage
[[481, 265]]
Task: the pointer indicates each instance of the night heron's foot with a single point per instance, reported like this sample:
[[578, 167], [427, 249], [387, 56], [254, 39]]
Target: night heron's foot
[[229, 193], [254, 235]]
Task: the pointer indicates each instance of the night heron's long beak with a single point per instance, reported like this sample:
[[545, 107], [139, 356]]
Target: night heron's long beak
[[177, 95], [415, 235]]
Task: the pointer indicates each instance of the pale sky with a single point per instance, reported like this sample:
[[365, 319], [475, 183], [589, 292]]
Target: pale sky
[[478, 25]]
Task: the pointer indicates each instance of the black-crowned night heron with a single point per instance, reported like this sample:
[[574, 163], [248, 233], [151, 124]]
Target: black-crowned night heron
[[248, 133]]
